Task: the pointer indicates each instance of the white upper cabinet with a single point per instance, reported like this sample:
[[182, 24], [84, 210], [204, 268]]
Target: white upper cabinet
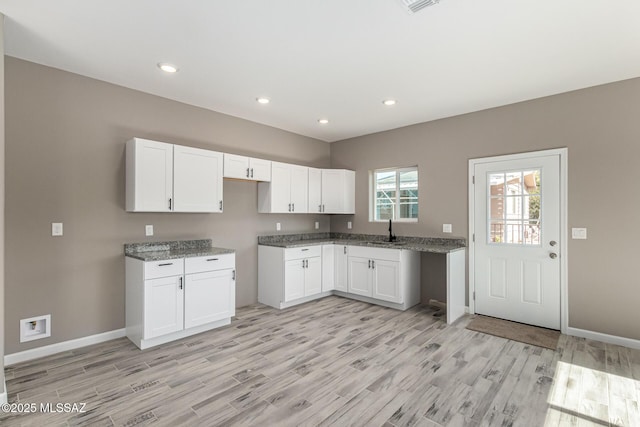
[[331, 191], [241, 167], [287, 192], [149, 169], [164, 177], [197, 180]]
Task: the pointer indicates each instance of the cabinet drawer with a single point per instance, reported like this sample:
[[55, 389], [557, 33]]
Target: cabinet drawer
[[164, 268], [375, 253], [302, 252], [209, 263]]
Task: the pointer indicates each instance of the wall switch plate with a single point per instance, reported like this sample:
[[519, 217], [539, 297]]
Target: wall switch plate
[[349, 225], [56, 229], [278, 226], [579, 233], [446, 228], [148, 230], [317, 225]]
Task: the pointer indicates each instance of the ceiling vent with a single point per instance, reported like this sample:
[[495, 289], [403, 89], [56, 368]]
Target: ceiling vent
[[417, 5]]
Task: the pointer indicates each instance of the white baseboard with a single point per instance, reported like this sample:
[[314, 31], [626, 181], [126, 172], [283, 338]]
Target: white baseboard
[[606, 338], [48, 350]]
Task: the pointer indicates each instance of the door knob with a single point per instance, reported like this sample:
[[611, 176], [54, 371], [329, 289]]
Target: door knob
[[553, 255], [553, 243]]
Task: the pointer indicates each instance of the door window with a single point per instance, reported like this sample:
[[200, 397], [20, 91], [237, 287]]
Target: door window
[[514, 207]]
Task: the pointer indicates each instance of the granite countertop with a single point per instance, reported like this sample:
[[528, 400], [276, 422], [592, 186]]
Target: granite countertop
[[156, 251], [420, 244]]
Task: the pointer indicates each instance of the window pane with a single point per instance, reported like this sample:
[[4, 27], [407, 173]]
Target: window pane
[[385, 204], [395, 194], [408, 194]]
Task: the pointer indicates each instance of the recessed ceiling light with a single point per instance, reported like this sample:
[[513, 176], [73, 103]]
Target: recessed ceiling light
[[323, 121], [167, 68], [263, 100], [389, 102]]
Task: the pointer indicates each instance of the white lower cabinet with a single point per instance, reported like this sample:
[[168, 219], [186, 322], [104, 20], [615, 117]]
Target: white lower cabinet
[[171, 299], [289, 276]]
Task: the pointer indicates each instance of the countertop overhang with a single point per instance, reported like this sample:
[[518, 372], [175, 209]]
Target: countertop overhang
[[157, 251]]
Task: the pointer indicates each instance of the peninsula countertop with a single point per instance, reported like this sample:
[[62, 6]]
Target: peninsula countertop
[[419, 244], [157, 251]]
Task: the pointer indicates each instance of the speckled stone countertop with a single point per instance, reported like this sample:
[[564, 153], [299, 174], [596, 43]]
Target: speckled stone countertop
[[420, 244], [156, 251]]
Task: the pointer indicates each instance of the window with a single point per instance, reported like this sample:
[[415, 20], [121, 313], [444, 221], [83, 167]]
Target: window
[[394, 194], [514, 207]]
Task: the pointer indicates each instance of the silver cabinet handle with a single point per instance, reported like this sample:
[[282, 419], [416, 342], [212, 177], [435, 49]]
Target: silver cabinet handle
[[305, 249], [289, 207], [373, 264], [247, 172], [322, 208], [165, 264], [319, 208], [251, 172], [553, 255], [169, 203], [369, 264], [233, 277], [345, 250], [212, 259], [220, 204], [180, 282], [293, 207], [302, 263]]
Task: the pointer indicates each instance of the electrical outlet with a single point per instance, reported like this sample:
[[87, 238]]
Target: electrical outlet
[[349, 225], [278, 226], [56, 229], [317, 225], [446, 228], [148, 230]]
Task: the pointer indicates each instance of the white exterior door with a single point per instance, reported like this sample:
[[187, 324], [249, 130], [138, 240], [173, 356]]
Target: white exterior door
[[518, 240], [197, 180]]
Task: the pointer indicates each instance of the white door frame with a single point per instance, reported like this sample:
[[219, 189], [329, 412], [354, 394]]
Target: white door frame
[[564, 230]]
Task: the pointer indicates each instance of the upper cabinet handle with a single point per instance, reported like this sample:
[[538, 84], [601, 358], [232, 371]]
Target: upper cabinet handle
[[247, 172], [220, 204], [251, 172]]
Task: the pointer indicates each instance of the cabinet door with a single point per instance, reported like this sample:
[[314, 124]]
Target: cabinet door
[[386, 281], [341, 267], [299, 188], [260, 170], [149, 176], [197, 180], [293, 279], [280, 187], [333, 191], [163, 306], [315, 190], [313, 276], [208, 297], [236, 166], [328, 267], [360, 276]]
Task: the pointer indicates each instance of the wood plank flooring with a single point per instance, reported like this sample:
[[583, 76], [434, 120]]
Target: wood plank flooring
[[334, 362]]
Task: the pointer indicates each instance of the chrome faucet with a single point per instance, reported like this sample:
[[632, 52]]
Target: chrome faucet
[[392, 237]]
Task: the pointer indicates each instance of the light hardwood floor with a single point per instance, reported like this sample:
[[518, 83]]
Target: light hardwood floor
[[334, 362]]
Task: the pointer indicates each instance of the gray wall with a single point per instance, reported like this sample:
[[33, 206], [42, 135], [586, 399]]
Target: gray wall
[[601, 129], [65, 141], [2, 169]]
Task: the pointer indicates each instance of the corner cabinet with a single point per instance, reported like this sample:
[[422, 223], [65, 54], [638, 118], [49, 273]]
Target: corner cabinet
[[331, 191], [287, 192], [163, 177], [289, 276], [172, 299]]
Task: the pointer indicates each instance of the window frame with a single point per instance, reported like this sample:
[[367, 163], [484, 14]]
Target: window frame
[[373, 193]]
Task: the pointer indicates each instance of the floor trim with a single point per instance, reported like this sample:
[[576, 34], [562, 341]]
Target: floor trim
[[48, 350], [606, 338], [3, 395]]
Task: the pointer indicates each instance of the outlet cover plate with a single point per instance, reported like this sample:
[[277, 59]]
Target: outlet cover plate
[[148, 230], [56, 229]]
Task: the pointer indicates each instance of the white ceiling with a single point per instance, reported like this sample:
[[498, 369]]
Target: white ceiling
[[334, 58]]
